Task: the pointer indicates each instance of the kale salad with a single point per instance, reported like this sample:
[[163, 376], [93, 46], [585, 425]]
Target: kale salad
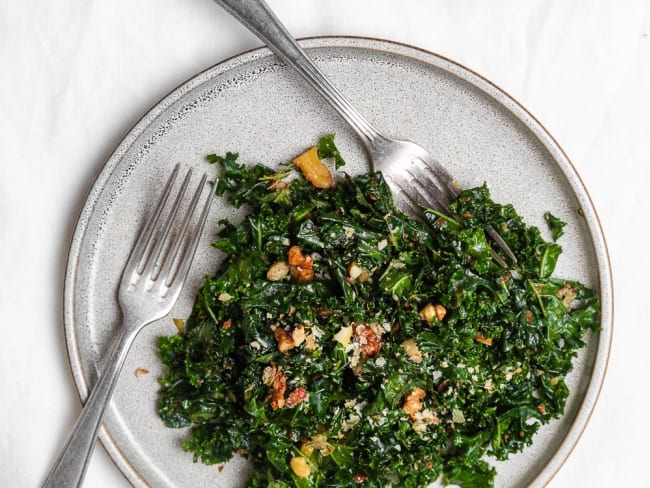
[[342, 343]]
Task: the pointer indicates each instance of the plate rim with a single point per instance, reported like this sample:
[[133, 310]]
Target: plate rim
[[425, 56]]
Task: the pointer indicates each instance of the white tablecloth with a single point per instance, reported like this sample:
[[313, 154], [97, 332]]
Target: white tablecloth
[[75, 75]]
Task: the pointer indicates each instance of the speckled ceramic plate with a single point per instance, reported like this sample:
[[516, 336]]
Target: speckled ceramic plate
[[253, 104]]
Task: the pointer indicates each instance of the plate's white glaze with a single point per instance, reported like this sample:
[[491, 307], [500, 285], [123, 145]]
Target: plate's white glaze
[[256, 106]]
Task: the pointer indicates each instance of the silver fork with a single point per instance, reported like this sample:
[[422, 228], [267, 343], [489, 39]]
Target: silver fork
[[415, 177], [151, 283]]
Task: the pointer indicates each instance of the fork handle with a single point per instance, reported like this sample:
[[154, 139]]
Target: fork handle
[[260, 19], [70, 467]]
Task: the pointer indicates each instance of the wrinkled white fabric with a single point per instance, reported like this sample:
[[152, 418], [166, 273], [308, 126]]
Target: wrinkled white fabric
[[75, 75]]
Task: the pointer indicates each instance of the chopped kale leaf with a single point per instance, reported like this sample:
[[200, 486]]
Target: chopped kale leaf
[[555, 225], [341, 342]]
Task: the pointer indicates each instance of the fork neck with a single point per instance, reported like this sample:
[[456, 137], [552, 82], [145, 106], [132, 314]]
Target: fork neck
[[260, 19]]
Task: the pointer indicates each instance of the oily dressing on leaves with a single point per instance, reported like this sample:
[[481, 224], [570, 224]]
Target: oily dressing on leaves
[[409, 355]]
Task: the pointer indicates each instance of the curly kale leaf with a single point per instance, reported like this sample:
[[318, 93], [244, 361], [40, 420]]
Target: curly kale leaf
[[489, 369], [555, 224]]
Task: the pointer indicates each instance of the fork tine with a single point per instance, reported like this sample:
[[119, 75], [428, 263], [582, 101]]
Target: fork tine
[[429, 195], [150, 266], [401, 196], [404, 183], [498, 240], [144, 240], [190, 250], [407, 199], [432, 169], [421, 188], [178, 240], [436, 170]]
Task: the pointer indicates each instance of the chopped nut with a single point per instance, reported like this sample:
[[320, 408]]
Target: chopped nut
[[224, 297], [412, 350], [357, 273], [298, 335], [354, 271], [268, 375], [140, 372], [318, 442], [310, 342], [567, 295], [278, 387], [180, 325], [296, 257], [344, 335], [368, 339], [363, 277], [428, 312], [479, 337], [421, 420], [296, 397], [413, 401], [313, 168], [359, 478], [284, 339], [440, 312], [301, 266], [300, 467], [431, 311], [277, 271]]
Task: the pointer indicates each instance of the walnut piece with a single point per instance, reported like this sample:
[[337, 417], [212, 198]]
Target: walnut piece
[[278, 387], [479, 337], [298, 335], [268, 375], [567, 294], [284, 340], [301, 266], [412, 350], [357, 273], [140, 372], [413, 401], [430, 312], [369, 341], [318, 442], [296, 397]]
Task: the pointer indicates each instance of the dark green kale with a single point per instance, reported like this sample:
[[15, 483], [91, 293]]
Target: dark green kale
[[555, 225], [341, 342], [327, 149]]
